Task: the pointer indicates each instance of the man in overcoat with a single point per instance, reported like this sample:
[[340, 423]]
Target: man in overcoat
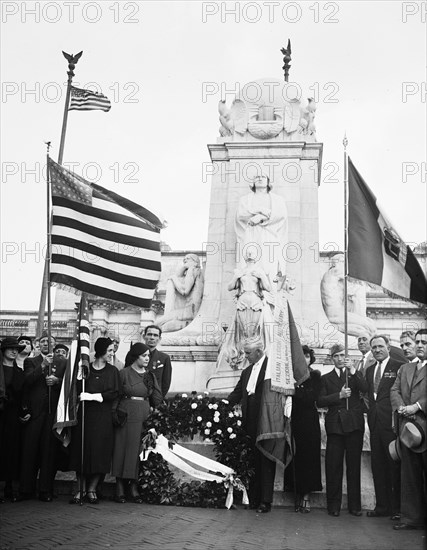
[[43, 378], [248, 392], [409, 398]]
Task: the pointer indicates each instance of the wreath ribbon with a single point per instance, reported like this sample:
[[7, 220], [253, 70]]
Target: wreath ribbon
[[177, 456]]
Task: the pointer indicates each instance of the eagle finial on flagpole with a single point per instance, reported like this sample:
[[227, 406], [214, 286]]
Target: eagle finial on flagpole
[[345, 140], [72, 60], [286, 59]]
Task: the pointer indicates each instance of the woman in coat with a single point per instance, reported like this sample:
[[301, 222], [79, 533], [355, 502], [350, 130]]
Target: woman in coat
[[140, 390], [101, 388], [11, 417], [306, 434]]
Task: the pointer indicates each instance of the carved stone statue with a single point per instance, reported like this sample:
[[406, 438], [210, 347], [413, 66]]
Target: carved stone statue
[[306, 122], [253, 317], [184, 291], [267, 109], [332, 293], [262, 228]]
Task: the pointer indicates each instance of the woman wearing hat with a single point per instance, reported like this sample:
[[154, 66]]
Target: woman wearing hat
[[140, 389], [101, 389], [10, 423]]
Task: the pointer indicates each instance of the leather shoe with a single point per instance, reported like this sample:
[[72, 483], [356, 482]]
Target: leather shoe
[[120, 499], [375, 514], [356, 513], [254, 505], [334, 513], [404, 526], [45, 497], [263, 508], [395, 517]]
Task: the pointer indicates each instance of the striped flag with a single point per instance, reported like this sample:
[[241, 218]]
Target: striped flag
[[102, 243], [376, 253], [66, 412], [86, 100]]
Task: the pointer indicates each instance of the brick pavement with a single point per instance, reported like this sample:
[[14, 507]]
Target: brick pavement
[[36, 525]]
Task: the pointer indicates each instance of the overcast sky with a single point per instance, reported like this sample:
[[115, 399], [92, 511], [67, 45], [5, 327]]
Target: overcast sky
[[365, 61]]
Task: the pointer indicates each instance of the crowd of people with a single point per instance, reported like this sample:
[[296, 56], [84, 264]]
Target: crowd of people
[[388, 384], [115, 400]]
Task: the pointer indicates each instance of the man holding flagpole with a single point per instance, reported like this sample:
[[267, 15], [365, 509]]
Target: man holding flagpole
[[345, 425]]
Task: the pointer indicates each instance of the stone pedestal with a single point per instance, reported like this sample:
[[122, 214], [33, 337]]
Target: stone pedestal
[[294, 172]]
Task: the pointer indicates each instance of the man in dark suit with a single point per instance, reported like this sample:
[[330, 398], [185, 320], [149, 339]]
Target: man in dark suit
[[380, 378], [409, 398], [345, 425], [364, 346], [160, 362], [43, 378], [248, 392]]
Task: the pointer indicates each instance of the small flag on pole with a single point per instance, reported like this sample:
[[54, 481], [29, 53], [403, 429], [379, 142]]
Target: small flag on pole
[[102, 243], [86, 100], [66, 412], [376, 253]]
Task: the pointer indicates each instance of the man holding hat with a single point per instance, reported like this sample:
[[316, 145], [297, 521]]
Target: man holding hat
[[43, 377], [409, 398], [345, 425]]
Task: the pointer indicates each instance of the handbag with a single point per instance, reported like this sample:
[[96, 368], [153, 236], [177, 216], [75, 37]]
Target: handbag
[[119, 417]]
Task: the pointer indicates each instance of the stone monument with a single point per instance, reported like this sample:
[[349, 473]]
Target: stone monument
[[266, 170]]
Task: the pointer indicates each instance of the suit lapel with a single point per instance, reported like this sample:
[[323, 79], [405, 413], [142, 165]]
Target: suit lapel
[[410, 371], [383, 386], [336, 380], [421, 375], [261, 374]]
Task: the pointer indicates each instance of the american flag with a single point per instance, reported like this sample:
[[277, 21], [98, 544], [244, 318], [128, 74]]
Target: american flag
[[86, 100], [66, 412], [102, 243]]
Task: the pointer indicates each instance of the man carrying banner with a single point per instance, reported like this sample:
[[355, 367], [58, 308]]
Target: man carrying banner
[[248, 392], [43, 377]]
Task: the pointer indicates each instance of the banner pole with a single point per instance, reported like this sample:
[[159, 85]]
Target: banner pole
[[345, 143]]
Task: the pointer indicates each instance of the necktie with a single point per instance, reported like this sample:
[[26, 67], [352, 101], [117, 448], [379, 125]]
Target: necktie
[[377, 378], [342, 376]]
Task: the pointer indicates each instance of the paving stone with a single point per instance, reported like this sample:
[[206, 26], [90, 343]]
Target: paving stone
[[34, 525]]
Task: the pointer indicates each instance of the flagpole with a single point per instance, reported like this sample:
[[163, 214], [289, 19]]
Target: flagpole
[[345, 143], [47, 264], [72, 61]]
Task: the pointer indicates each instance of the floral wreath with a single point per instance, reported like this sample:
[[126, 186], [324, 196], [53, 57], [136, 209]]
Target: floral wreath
[[184, 417]]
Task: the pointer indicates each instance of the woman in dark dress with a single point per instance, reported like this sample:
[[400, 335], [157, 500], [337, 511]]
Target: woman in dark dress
[[101, 388], [306, 434], [11, 417], [140, 389]]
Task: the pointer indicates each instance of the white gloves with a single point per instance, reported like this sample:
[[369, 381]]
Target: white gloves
[[85, 396]]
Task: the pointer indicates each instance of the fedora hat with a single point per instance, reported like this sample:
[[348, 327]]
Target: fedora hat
[[394, 450], [413, 434], [11, 343]]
